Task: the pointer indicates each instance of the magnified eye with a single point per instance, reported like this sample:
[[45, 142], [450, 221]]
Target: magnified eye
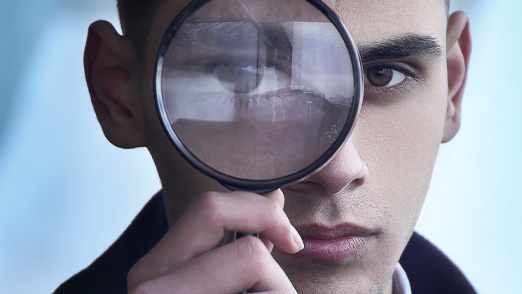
[[245, 78], [384, 76]]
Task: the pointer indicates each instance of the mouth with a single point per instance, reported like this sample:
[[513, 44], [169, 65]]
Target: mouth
[[335, 244]]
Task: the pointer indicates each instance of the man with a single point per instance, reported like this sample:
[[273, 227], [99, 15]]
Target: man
[[343, 229]]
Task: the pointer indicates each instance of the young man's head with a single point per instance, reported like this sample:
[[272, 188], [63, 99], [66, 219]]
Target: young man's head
[[374, 187]]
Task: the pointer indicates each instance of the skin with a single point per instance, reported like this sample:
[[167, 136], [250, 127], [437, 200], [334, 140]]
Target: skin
[[378, 180]]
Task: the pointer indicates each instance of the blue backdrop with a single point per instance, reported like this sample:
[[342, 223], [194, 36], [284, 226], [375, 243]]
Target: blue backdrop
[[66, 193]]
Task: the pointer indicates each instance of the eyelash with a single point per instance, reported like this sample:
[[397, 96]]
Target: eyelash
[[410, 77]]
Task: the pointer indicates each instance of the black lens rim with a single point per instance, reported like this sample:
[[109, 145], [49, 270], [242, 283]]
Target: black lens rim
[[259, 186]]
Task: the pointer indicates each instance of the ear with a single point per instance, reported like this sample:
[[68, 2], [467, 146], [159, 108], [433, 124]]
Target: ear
[[111, 70], [458, 53]]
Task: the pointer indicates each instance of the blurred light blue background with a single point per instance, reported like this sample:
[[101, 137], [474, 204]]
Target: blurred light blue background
[[66, 194]]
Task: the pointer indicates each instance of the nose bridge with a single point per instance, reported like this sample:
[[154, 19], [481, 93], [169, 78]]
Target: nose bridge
[[345, 171]]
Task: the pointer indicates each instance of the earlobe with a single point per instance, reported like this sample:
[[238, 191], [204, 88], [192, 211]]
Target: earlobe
[[458, 54], [111, 69]]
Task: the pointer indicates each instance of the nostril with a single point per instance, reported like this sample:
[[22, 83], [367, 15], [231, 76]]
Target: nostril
[[346, 171], [359, 181]]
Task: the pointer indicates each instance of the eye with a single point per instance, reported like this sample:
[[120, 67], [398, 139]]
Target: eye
[[384, 76]]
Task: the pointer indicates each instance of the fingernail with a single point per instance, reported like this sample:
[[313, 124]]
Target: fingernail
[[297, 239]]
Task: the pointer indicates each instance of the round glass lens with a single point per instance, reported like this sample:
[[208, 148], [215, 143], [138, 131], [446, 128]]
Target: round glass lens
[[257, 91]]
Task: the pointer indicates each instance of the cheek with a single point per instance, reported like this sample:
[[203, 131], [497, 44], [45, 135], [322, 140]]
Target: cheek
[[399, 143]]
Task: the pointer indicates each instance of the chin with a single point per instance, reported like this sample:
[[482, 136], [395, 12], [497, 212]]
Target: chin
[[346, 285]]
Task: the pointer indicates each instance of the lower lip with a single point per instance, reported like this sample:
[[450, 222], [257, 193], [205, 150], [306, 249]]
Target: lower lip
[[332, 250]]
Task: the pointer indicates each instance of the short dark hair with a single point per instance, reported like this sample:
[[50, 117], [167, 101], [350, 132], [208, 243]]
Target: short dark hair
[[136, 18]]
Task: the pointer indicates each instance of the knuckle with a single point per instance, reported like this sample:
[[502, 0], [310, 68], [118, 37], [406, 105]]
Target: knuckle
[[273, 207], [252, 249], [208, 205], [276, 213]]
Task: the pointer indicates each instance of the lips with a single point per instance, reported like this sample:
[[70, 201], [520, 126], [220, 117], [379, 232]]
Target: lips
[[335, 244]]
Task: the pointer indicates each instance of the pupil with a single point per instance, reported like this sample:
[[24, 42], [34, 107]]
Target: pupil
[[380, 77], [243, 80]]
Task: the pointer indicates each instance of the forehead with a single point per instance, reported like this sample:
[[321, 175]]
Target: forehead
[[372, 20], [368, 21]]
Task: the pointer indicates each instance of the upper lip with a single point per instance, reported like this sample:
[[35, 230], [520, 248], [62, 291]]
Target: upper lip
[[321, 232]]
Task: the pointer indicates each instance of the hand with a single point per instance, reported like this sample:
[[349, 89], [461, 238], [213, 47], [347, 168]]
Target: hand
[[189, 258]]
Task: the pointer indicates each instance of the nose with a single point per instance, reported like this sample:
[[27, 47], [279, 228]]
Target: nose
[[345, 171]]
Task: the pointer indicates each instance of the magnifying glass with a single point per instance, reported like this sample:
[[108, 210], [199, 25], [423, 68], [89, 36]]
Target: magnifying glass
[[258, 93]]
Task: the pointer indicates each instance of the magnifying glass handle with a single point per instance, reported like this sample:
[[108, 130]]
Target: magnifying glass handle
[[238, 235]]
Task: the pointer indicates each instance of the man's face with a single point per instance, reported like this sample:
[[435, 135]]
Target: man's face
[[357, 213]]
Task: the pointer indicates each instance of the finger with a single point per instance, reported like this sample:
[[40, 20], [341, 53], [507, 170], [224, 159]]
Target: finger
[[233, 268], [277, 196], [268, 244], [203, 226]]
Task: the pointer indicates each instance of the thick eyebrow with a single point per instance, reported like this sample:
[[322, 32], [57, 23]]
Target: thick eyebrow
[[401, 47]]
